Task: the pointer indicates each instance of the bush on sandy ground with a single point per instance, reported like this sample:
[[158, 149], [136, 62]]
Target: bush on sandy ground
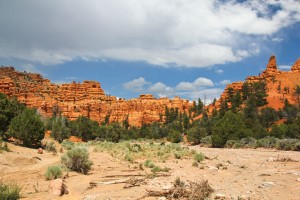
[[53, 172], [9, 191], [67, 144], [206, 141], [77, 159], [49, 145], [141, 150], [198, 157], [3, 146], [288, 144]]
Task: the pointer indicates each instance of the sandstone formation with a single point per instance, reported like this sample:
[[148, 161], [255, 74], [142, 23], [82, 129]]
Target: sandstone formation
[[88, 99], [281, 85], [296, 66]]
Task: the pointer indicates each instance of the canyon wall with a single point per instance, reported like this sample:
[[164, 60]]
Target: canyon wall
[[83, 99]]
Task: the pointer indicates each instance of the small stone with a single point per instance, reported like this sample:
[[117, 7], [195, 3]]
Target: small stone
[[268, 184], [40, 151], [162, 198], [57, 187], [270, 159], [213, 168], [298, 180], [220, 196], [244, 197]]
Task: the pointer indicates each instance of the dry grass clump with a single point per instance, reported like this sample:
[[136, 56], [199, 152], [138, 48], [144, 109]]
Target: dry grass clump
[[3, 146], [9, 191], [49, 145], [53, 172], [139, 150]]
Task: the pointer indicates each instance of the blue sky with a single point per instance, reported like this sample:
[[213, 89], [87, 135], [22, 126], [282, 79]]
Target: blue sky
[[190, 48]]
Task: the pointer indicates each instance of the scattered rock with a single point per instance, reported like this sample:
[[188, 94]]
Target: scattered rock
[[220, 196], [270, 159], [57, 187], [244, 197], [40, 151], [298, 180], [162, 198], [213, 168], [264, 175], [267, 184], [242, 166]]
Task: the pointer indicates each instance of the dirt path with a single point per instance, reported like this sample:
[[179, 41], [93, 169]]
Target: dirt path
[[247, 173]]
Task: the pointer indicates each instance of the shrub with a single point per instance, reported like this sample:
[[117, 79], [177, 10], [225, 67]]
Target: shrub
[[175, 136], [230, 127], [230, 143], [178, 155], [9, 191], [128, 157], [286, 144], [4, 147], [53, 172], [27, 127], [297, 146], [248, 142], [198, 157], [195, 134], [206, 141], [67, 144], [149, 163], [77, 159], [267, 142], [49, 145], [156, 169]]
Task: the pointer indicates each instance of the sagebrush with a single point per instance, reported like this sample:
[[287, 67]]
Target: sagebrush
[[77, 159]]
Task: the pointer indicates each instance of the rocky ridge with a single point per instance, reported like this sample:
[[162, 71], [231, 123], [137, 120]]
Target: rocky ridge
[[281, 85], [83, 99]]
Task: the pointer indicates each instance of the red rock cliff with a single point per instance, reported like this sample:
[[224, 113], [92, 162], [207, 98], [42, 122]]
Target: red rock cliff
[[87, 99], [281, 85]]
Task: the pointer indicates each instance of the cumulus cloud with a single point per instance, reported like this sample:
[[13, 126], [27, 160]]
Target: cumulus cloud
[[225, 82], [198, 83], [200, 88], [136, 85], [284, 67], [188, 33], [219, 71]]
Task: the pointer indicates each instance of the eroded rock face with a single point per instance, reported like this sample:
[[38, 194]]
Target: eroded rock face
[[280, 84], [296, 66], [87, 99], [271, 68]]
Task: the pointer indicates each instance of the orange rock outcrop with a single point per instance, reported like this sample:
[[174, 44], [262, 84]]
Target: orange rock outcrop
[[281, 85], [296, 66], [88, 99]]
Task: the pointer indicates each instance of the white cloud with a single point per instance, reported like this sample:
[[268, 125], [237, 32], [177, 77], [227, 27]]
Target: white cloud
[[188, 33], [284, 67], [277, 39], [32, 69], [225, 82], [203, 82], [219, 71], [185, 86], [136, 85], [200, 88], [198, 83], [207, 95]]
